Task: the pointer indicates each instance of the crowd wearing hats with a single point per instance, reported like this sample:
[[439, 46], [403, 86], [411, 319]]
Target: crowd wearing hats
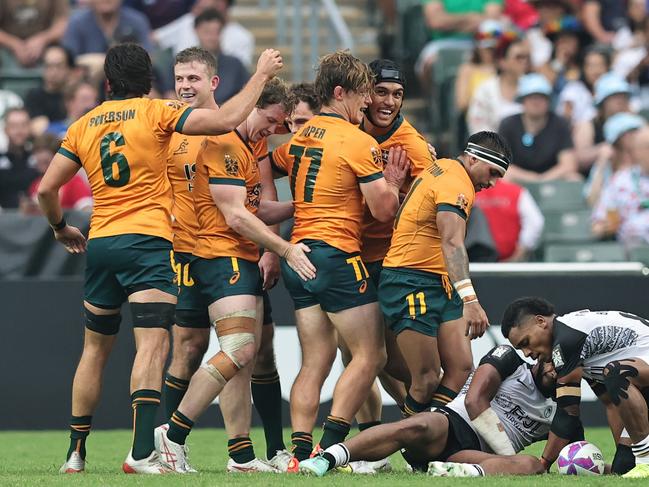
[[566, 83]]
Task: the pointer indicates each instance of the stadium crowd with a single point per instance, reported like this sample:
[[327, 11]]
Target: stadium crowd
[[172, 157]]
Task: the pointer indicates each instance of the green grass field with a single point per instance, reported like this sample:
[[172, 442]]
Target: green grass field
[[33, 458]]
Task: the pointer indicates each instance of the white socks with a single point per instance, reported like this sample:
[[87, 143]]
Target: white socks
[[641, 451], [340, 453]]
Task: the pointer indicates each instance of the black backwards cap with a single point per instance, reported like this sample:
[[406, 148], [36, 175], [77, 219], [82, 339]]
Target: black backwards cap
[[489, 156], [387, 70]]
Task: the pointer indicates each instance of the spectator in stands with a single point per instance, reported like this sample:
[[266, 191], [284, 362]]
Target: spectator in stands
[[451, 24], [74, 195], [104, 23], [495, 98], [28, 26], [8, 100], [16, 171], [619, 133], [564, 64], [612, 95], [232, 73], [540, 140], [161, 12], [603, 18], [522, 13], [576, 99], [623, 209], [236, 40], [45, 103], [550, 13], [79, 99], [480, 67], [514, 218]]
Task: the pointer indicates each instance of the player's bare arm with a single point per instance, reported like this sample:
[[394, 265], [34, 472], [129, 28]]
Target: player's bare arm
[[566, 422], [452, 229], [269, 261], [205, 121], [482, 390], [274, 212], [382, 195], [60, 171], [231, 202]]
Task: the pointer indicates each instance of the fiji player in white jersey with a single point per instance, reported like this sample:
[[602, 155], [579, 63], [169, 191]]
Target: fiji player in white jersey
[[506, 407], [610, 349]]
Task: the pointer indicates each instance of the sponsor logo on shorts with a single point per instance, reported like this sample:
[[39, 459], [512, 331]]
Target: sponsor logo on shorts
[[235, 277], [363, 287]]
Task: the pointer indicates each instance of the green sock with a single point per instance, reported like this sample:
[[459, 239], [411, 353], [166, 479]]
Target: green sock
[[412, 407], [79, 431], [368, 425], [179, 427], [174, 390], [442, 396], [267, 397], [145, 406], [335, 431], [302, 445], [241, 450]]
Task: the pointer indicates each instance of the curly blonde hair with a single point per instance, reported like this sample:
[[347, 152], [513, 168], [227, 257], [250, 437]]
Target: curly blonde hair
[[342, 69]]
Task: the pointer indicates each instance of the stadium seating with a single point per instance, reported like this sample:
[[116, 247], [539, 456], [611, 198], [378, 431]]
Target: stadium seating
[[640, 254], [585, 252], [558, 195], [567, 226]]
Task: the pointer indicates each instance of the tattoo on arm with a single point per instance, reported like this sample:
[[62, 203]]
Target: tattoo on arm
[[457, 263]]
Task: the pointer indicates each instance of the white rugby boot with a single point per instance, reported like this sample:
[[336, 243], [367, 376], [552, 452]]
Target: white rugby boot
[[173, 455], [74, 464], [281, 460], [151, 465], [253, 466]]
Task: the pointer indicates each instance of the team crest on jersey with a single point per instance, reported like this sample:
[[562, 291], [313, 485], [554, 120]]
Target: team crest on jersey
[[547, 412], [376, 156], [500, 351], [557, 357], [176, 105], [462, 202], [231, 165], [182, 148]]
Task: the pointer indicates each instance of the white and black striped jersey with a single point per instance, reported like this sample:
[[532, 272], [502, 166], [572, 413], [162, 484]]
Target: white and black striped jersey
[[526, 414], [592, 339]]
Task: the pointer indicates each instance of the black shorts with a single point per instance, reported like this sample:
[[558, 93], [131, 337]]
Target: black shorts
[[460, 435]]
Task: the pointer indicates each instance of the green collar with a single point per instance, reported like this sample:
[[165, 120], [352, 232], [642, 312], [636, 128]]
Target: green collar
[[335, 115], [395, 126]]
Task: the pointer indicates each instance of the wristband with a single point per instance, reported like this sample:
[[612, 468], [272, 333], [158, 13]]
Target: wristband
[[465, 289], [60, 225]]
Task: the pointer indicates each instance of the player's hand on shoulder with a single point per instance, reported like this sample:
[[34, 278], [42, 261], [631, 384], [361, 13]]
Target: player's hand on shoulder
[[269, 63], [398, 166], [72, 239], [297, 260], [476, 320]]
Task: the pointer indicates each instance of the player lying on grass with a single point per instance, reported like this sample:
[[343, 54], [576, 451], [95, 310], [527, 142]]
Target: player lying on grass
[[610, 349], [506, 407]]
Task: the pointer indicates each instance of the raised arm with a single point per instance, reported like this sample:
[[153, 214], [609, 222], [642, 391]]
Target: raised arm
[[204, 121]]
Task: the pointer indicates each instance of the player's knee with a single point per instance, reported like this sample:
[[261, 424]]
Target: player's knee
[[414, 429], [236, 332], [103, 324], [153, 315], [617, 379], [190, 350], [425, 383], [265, 358]]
